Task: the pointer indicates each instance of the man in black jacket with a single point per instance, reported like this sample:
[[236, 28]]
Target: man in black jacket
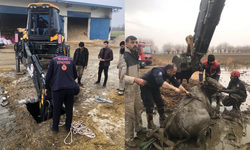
[[81, 57], [240, 94]]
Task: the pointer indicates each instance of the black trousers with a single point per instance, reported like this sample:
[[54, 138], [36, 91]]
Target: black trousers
[[59, 97], [150, 96], [101, 68], [229, 101]]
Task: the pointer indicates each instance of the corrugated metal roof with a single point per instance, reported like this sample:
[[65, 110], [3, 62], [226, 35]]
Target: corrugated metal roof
[[86, 4]]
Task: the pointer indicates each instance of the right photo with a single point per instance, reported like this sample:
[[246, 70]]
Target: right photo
[[186, 73]]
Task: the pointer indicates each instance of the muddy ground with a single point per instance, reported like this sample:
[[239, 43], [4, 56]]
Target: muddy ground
[[230, 131], [19, 130]]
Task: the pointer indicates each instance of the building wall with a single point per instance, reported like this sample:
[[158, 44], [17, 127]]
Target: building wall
[[97, 13]]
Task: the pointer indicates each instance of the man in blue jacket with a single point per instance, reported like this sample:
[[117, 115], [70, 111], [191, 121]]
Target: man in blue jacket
[[61, 77], [150, 93]]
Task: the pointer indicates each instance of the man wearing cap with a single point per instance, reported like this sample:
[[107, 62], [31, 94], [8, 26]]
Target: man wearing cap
[[235, 99], [61, 77], [81, 57], [150, 93], [212, 69]]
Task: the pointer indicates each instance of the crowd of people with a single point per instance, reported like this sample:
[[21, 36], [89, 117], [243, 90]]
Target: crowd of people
[[140, 92]]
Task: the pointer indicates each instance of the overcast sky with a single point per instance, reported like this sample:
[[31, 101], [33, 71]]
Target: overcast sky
[[172, 20], [118, 18]]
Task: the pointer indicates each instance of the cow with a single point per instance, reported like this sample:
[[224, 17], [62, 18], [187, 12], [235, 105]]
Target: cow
[[191, 117]]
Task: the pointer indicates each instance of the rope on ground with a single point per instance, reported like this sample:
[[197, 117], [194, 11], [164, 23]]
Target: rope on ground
[[80, 128]]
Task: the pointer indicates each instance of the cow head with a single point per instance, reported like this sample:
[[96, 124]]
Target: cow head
[[212, 85]]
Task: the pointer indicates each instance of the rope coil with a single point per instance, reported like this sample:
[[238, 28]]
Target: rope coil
[[80, 128]]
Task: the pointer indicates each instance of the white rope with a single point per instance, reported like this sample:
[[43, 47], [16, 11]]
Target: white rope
[[80, 128]]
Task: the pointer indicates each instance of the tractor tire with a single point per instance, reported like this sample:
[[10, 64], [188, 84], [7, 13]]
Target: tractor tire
[[17, 65]]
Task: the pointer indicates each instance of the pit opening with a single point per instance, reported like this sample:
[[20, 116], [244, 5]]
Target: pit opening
[[33, 109]]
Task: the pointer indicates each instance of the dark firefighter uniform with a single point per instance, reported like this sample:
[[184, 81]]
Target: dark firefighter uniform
[[212, 71], [61, 76], [235, 99], [150, 93]]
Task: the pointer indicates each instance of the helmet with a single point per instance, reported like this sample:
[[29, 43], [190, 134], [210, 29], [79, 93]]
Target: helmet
[[235, 73]]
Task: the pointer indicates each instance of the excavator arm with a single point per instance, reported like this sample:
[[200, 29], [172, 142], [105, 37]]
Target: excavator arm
[[33, 67], [208, 18]]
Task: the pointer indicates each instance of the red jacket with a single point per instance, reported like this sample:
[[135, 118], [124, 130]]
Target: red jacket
[[211, 70]]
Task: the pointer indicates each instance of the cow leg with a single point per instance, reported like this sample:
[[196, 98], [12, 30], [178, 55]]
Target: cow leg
[[185, 134], [201, 136]]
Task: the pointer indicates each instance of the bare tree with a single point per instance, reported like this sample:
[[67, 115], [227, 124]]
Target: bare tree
[[183, 48], [167, 48], [230, 49], [156, 49], [118, 28], [177, 48], [211, 49], [149, 42], [224, 47], [219, 48]]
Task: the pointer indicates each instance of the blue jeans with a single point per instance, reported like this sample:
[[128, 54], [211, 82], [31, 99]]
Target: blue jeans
[[40, 29]]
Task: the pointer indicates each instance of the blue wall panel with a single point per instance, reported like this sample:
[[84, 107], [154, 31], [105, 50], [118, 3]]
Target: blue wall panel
[[62, 24], [99, 28], [78, 14], [13, 10]]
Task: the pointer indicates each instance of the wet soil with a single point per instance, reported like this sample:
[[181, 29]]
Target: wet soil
[[106, 120]]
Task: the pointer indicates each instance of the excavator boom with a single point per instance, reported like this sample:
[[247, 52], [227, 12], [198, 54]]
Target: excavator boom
[[208, 18]]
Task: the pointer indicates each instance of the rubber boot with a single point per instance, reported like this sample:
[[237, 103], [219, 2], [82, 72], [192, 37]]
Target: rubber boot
[[130, 143], [79, 81], [151, 124], [218, 100], [162, 117]]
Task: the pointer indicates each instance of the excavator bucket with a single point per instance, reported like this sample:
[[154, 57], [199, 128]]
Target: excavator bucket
[[208, 18]]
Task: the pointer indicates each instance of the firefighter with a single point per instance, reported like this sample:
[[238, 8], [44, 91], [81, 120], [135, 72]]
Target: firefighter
[[235, 99], [121, 76], [158, 77], [212, 69], [61, 77], [81, 57], [133, 102]]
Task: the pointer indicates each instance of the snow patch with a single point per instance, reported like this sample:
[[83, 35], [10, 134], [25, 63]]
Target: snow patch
[[106, 126]]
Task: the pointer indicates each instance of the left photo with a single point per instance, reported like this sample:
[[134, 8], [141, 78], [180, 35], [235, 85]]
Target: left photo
[[61, 82]]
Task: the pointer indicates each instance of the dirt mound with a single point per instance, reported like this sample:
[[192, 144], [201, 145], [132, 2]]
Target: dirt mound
[[171, 98], [119, 39], [77, 31]]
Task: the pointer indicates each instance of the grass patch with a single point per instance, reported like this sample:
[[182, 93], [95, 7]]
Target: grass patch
[[117, 33]]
